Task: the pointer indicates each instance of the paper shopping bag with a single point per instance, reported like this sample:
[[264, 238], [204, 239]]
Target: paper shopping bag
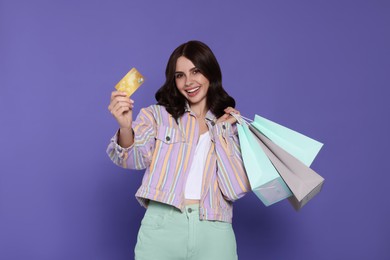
[[300, 146], [303, 182], [265, 181]]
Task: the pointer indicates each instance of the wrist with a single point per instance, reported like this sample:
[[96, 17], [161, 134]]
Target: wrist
[[126, 132], [125, 129], [125, 137]]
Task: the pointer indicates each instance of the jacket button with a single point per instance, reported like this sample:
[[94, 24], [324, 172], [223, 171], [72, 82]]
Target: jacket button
[[167, 138], [212, 123], [224, 127], [189, 210]]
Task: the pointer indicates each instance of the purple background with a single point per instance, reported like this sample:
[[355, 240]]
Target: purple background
[[319, 67]]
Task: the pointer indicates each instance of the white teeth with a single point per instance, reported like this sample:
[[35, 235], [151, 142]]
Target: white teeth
[[192, 90]]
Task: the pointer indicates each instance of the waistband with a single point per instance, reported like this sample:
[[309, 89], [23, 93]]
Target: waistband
[[159, 206]]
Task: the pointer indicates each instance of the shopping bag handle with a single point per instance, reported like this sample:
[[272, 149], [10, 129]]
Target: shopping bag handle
[[240, 118]]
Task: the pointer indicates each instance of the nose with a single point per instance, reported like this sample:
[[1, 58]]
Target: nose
[[189, 80]]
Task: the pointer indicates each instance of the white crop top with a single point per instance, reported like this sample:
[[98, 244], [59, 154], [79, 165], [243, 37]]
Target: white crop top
[[195, 175]]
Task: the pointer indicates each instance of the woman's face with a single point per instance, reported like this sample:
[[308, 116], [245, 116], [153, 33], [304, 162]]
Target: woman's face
[[190, 82]]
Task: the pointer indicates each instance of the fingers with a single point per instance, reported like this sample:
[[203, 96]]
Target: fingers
[[117, 102], [223, 118], [229, 110], [121, 106], [231, 120], [120, 100], [227, 117], [120, 111], [115, 94], [119, 96]]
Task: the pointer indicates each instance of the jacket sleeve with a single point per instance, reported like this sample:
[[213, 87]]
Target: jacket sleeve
[[139, 155], [231, 174]]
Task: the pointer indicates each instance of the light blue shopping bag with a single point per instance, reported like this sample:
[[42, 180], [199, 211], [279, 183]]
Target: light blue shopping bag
[[264, 179], [300, 146], [303, 182]]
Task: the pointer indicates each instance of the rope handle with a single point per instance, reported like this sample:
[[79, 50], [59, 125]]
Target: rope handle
[[241, 119]]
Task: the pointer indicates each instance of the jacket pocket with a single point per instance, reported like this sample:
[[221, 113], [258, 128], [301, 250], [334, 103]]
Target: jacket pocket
[[169, 135]]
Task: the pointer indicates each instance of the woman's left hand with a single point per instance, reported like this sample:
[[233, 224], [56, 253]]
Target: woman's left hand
[[227, 117]]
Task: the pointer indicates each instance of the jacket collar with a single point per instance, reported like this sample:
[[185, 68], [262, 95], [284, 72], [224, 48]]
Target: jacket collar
[[209, 115]]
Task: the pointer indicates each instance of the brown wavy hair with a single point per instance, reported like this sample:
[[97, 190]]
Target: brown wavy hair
[[203, 58]]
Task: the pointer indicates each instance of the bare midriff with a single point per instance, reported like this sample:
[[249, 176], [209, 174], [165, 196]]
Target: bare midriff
[[191, 202]]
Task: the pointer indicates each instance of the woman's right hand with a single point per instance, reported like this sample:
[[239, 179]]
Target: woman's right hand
[[121, 107]]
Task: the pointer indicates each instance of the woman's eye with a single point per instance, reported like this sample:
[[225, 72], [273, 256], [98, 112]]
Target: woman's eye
[[195, 71], [178, 76]]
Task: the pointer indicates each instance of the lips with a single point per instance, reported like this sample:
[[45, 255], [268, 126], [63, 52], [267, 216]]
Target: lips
[[193, 91]]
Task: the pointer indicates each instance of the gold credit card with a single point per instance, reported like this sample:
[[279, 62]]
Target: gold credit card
[[130, 82]]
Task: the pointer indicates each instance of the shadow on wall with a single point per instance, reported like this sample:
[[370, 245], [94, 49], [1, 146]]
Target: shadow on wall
[[119, 212], [260, 228]]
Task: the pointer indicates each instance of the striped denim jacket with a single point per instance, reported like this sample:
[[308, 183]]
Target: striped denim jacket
[[165, 148]]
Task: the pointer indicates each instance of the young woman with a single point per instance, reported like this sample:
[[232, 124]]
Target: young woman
[[189, 147]]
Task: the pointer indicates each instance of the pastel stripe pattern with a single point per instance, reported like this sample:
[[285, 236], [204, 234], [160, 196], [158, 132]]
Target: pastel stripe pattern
[[165, 149]]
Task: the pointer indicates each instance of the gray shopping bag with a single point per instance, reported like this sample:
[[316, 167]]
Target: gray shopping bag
[[303, 182]]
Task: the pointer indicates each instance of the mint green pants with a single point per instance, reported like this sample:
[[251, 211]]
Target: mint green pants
[[168, 234]]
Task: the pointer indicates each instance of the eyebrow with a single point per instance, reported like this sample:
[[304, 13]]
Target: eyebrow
[[192, 69]]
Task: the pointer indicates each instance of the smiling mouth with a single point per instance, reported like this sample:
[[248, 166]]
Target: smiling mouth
[[192, 90]]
